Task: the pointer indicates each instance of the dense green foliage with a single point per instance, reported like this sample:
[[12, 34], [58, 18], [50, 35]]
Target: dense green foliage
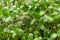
[[29, 19]]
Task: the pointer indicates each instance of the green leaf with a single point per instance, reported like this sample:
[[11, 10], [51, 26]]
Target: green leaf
[[58, 33], [30, 36], [53, 36]]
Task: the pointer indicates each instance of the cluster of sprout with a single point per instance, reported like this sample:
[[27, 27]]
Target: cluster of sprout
[[29, 19]]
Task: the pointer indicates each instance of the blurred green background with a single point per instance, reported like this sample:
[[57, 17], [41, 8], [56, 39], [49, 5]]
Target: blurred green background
[[29, 19]]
